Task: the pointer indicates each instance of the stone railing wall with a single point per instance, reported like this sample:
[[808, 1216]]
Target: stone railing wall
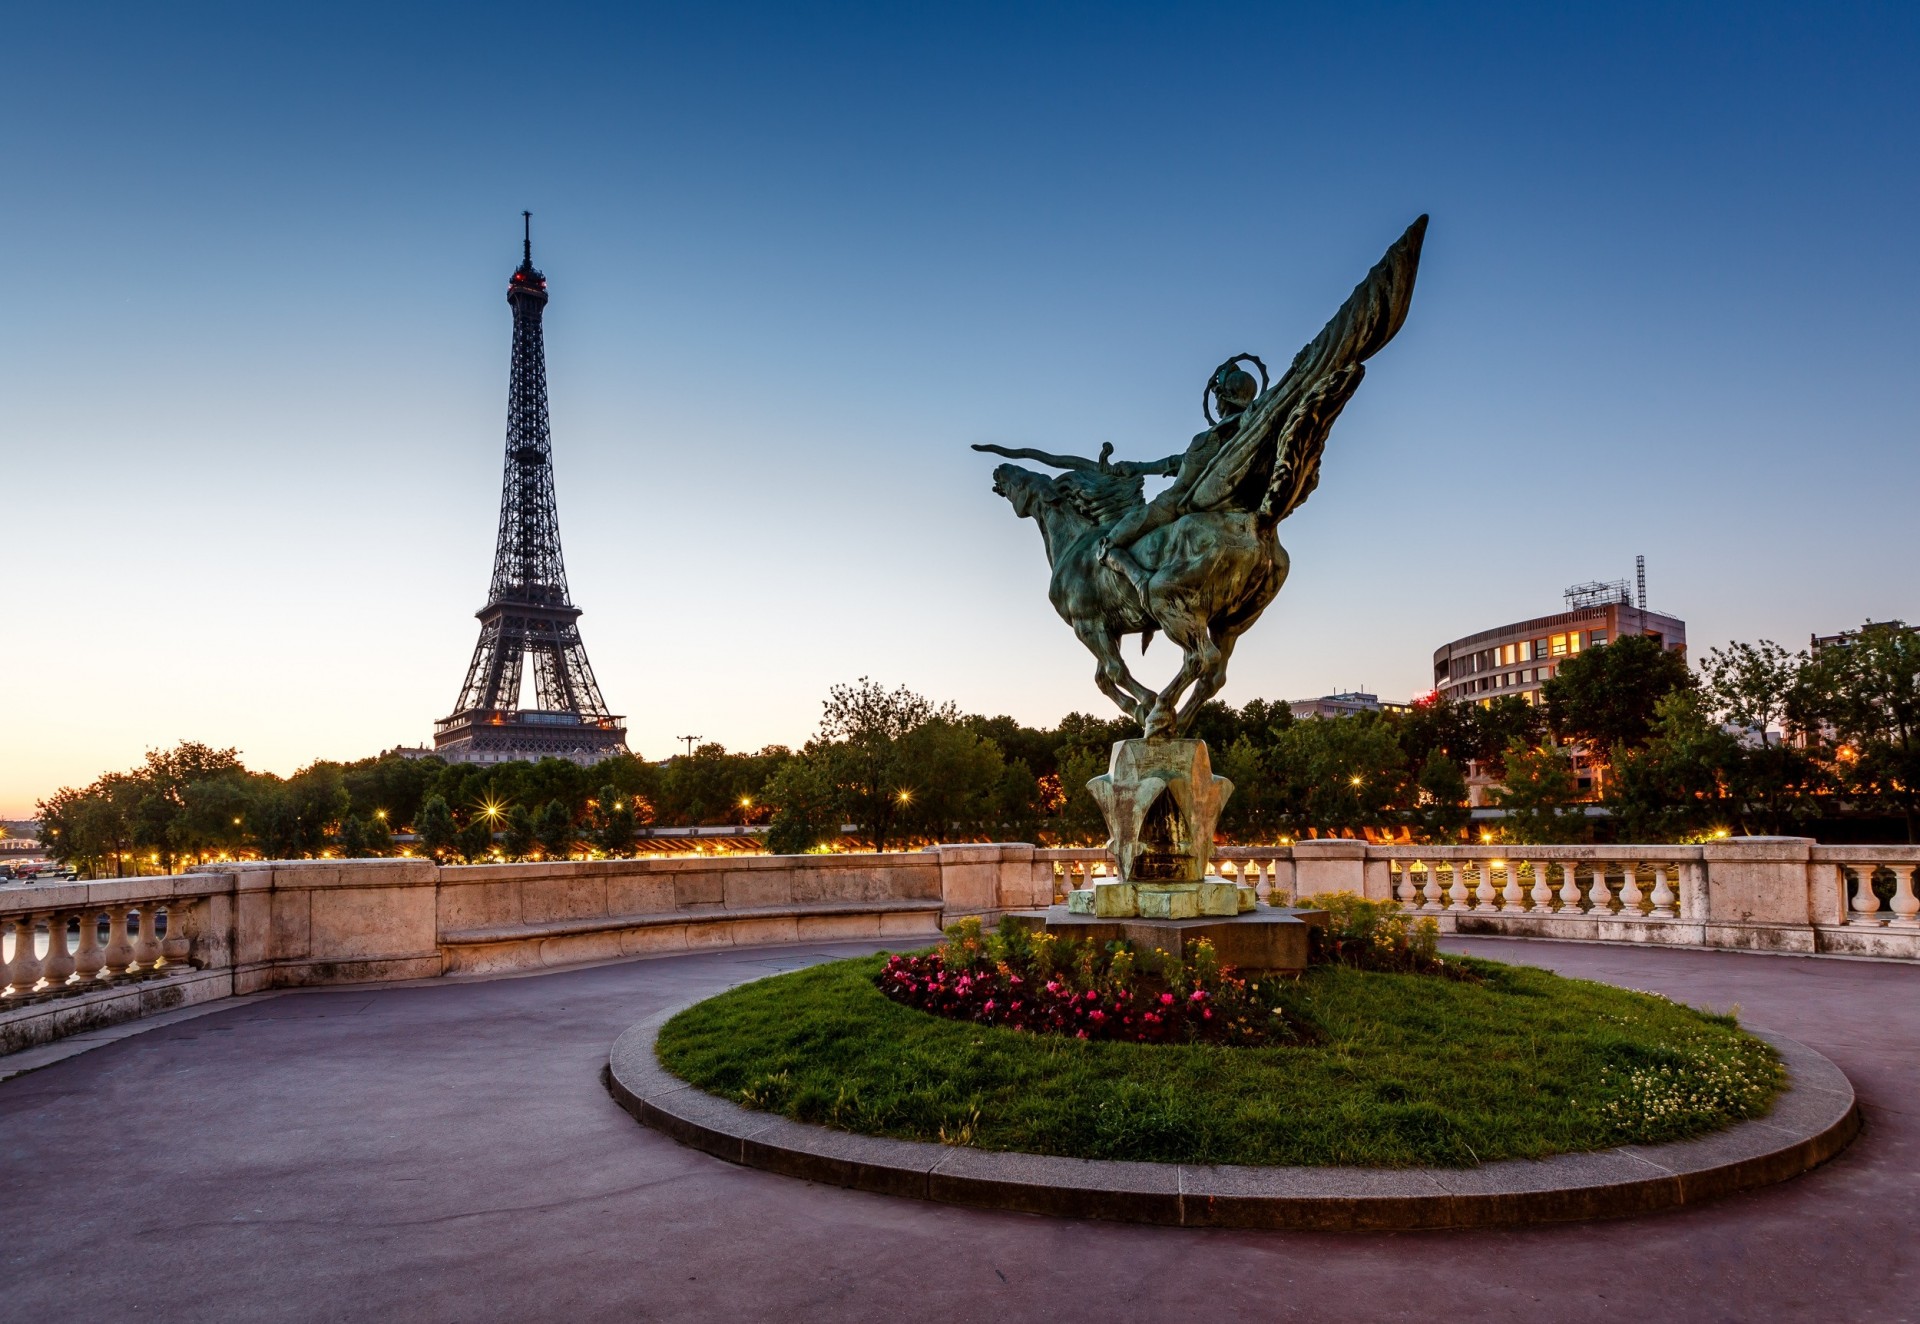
[[77, 956]]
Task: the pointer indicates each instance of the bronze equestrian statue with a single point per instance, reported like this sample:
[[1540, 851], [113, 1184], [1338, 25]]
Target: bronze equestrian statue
[[1200, 562]]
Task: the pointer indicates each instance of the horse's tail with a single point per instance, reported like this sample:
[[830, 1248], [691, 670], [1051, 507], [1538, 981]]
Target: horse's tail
[[1146, 637]]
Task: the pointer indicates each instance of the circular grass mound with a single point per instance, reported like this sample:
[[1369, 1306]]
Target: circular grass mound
[[1405, 1070]]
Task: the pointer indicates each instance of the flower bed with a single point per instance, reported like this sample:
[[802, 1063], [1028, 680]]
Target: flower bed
[[1049, 985]]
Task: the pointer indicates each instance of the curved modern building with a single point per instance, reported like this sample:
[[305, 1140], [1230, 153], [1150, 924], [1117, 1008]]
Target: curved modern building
[[1516, 659]]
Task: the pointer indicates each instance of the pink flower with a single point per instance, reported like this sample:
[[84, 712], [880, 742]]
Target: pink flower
[[1166, 999]]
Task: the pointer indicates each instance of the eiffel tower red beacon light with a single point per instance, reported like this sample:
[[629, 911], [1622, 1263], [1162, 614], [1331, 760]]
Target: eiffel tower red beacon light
[[529, 612]]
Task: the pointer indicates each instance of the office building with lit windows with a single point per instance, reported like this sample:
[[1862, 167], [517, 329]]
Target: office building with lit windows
[[1517, 659]]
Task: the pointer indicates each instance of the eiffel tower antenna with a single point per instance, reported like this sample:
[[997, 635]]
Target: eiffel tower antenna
[[529, 612]]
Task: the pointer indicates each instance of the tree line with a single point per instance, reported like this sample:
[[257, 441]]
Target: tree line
[[1757, 740]]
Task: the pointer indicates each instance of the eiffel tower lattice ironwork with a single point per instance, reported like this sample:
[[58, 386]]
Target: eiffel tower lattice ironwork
[[529, 613]]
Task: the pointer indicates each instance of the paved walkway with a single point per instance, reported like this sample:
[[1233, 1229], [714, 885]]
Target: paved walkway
[[448, 1152]]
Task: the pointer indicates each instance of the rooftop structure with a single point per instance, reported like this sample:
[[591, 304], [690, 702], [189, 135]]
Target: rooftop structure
[[1343, 705], [529, 611]]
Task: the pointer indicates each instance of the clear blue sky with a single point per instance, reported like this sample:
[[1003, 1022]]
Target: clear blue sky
[[252, 387]]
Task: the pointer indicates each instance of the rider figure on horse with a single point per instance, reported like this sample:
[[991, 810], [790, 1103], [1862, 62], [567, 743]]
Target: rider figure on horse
[[1233, 389]]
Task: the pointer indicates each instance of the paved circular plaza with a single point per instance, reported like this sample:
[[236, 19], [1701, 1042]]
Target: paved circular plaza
[[448, 1151]]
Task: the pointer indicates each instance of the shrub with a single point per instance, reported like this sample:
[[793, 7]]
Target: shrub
[[1379, 935]]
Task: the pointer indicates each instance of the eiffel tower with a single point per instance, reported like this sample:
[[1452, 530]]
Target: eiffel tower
[[528, 611]]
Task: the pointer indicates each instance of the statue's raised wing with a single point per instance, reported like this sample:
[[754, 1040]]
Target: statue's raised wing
[[1272, 463]]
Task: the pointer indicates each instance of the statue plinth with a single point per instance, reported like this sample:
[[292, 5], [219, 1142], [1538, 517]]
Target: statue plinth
[[1161, 801]]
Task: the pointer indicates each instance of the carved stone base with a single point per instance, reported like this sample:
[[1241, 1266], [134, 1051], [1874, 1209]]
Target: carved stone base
[[1161, 801]]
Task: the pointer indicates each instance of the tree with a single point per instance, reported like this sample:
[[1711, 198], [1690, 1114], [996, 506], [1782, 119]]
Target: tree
[[475, 840], [613, 822], [439, 834], [949, 780], [862, 731], [1539, 794], [1755, 686], [1606, 696], [361, 838], [520, 833], [1338, 774], [554, 829], [1079, 818], [807, 810], [1675, 786], [1866, 688], [1441, 812]]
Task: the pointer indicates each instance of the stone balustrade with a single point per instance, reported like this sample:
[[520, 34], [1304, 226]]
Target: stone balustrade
[[77, 956]]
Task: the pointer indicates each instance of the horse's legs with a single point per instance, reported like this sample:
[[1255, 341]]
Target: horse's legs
[[1212, 678], [1111, 675], [1199, 656]]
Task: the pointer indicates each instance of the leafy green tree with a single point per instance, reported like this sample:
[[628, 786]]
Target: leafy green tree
[[1755, 686], [1338, 774], [521, 833], [294, 819], [863, 734], [389, 789], [1606, 696], [807, 807], [1079, 819], [1441, 812], [613, 822], [475, 840], [1675, 787], [555, 831], [1539, 794], [361, 838], [439, 834], [1867, 690], [949, 782]]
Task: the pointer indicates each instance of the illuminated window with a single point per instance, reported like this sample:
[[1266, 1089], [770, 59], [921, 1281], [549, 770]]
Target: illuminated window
[[1559, 645], [1573, 642]]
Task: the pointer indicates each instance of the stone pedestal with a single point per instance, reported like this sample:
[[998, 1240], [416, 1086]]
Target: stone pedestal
[[1161, 801]]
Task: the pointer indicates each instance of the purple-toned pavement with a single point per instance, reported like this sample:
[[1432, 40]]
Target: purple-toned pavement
[[448, 1151]]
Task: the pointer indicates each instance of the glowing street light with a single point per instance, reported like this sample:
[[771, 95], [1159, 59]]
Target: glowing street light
[[905, 797]]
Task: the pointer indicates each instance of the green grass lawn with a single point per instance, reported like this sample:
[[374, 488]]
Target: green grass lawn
[[1409, 1070]]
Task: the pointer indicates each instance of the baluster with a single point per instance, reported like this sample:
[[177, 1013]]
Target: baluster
[[1461, 890], [1599, 898], [146, 947], [1866, 905], [1264, 873], [1663, 895], [1433, 901], [1483, 893], [119, 952], [1569, 889], [1542, 893], [176, 949], [1511, 897], [1630, 893], [22, 970], [1409, 896], [88, 961], [57, 966], [1906, 906]]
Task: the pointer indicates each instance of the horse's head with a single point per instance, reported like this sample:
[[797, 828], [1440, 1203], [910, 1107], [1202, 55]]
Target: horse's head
[[1024, 489]]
